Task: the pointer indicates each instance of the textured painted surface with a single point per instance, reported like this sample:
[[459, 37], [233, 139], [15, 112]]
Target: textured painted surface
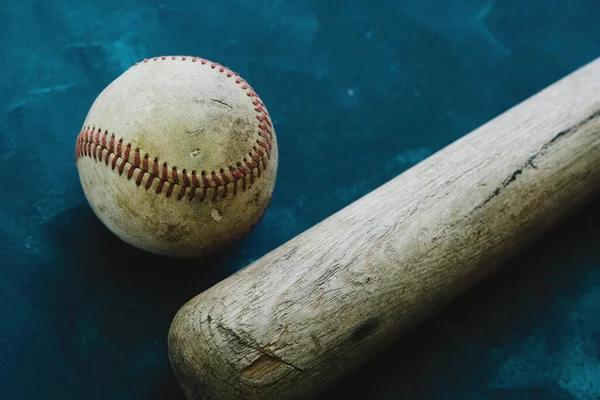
[[358, 94]]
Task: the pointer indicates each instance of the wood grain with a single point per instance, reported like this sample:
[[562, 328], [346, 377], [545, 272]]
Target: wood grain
[[331, 298]]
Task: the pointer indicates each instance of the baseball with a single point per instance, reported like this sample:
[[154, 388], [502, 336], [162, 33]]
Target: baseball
[[178, 156]]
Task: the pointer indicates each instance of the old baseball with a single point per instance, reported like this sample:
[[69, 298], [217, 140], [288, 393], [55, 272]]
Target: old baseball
[[178, 156]]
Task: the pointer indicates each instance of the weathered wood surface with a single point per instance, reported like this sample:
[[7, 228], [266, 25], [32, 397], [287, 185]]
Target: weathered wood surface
[[329, 299]]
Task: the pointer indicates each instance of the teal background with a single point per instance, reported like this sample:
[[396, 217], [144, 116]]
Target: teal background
[[359, 91]]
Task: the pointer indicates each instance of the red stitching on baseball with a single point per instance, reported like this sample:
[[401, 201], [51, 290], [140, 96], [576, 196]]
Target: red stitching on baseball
[[122, 166], [244, 173], [149, 181], [94, 146], [256, 158], [234, 174], [224, 177], [130, 172], [263, 144], [205, 180], [181, 192], [127, 151], [192, 194], [203, 194], [139, 179], [170, 189], [195, 181], [159, 188], [216, 179], [185, 178], [136, 158]]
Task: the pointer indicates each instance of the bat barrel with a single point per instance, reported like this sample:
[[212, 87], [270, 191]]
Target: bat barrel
[[324, 302]]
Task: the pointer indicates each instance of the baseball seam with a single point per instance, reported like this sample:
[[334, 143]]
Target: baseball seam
[[98, 144]]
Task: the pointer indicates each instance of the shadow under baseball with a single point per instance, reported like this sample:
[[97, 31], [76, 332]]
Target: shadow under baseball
[[113, 304]]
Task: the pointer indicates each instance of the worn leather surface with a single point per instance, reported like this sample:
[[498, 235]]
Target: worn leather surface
[[178, 156]]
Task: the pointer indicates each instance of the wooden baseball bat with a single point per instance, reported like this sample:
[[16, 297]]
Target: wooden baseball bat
[[331, 298]]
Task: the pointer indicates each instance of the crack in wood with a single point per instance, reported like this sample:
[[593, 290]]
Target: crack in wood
[[575, 127], [530, 161], [247, 342]]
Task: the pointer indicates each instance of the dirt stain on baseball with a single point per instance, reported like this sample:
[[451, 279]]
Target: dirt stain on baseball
[[241, 132], [254, 200], [125, 204], [173, 232]]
